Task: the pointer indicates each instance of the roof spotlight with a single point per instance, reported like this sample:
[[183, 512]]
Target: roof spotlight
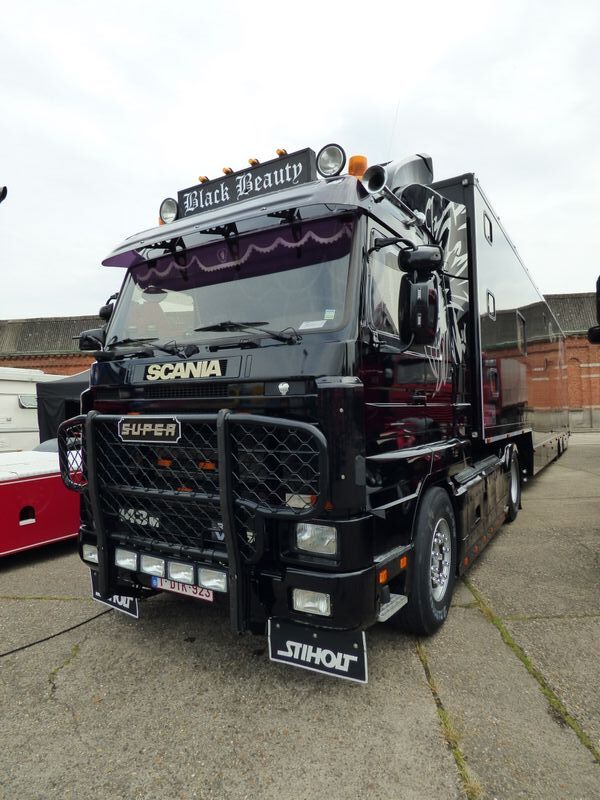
[[169, 210], [331, 160]]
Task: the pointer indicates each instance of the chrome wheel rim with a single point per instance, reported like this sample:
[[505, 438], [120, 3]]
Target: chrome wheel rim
[[514, 482], [440, 559]]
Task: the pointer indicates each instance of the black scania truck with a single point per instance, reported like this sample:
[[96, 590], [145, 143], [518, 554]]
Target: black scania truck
[[316, 397]]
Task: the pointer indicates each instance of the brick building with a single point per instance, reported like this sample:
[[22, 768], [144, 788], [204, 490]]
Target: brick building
[[49, 344], [575, 314]]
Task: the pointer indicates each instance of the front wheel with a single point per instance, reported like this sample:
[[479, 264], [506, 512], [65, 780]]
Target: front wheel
[[434, 566]]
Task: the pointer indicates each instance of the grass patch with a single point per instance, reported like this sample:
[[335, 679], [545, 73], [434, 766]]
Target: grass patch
[[471, 785], [557, 707]]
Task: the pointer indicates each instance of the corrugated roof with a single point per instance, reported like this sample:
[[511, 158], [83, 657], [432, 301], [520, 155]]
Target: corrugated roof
[[575, 312], [43, 335]]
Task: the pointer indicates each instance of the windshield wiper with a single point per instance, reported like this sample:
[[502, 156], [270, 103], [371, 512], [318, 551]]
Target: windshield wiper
[[172, 348], [124, 342], [228, 325]]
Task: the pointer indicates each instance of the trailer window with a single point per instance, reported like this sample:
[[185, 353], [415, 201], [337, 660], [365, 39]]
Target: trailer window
[[487, 228], [27, 401], [521, 334]]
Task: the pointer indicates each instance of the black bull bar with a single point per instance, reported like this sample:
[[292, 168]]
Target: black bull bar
[[245, 466]]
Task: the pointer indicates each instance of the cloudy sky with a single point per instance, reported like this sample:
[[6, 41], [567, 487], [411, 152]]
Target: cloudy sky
[[106, 108]]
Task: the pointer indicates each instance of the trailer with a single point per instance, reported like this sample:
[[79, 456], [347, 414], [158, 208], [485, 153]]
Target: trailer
[[316, 398], [37, 509], [18, 407]]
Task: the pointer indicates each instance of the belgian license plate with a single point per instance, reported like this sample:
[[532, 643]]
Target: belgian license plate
[[167, 585], [120, 602], [342, 654]]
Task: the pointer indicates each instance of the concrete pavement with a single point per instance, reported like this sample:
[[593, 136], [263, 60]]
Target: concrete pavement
[[501, 703]]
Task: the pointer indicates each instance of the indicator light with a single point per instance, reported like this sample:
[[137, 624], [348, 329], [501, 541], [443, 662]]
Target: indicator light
[[357, 166]]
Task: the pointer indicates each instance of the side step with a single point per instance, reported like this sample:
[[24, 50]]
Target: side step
[[395, 603]]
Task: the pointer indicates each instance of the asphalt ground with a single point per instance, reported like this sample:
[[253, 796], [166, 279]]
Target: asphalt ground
[[502, 703]]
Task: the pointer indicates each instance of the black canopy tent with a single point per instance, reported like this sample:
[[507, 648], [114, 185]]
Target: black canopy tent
[[59, 400]]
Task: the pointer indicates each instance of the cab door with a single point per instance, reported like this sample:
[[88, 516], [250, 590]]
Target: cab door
[[408, 386]]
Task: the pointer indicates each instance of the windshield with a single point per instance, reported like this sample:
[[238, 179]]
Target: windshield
[[292, 276]]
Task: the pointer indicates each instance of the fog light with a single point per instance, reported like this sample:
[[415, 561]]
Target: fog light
[[152, 566], [212, 579], [184, 573], [320, 539], [331, 160], [169, 210], [90, 553], [312, 602], [126, 559]]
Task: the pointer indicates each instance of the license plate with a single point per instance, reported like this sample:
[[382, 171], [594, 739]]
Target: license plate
[[342, 654], [120, 602], [199, 592]]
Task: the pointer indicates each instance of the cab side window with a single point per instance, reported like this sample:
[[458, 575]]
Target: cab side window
[[385, 284]]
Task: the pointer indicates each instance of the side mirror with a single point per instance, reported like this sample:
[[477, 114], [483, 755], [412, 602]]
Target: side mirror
[[93, 339], [106, 311], [423, 314], [425, 257]]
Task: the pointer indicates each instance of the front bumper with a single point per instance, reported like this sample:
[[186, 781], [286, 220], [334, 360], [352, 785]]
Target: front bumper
[[105, 467]]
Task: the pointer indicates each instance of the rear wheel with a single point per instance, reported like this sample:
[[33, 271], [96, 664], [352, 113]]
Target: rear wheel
[[434, 566], [514, 488]]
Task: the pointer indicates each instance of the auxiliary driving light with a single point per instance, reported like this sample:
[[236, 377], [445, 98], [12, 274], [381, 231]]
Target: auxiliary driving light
[[169, 210], [184, 573], [331, 160], [212, 579], [321, 539], [90, 553], [312, 602], [126, 559], [153, 566]]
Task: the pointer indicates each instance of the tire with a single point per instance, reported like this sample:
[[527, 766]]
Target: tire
[[514, 487], [434, 550]]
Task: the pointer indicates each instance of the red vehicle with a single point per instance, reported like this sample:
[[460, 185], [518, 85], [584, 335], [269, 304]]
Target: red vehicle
[[36, 507]]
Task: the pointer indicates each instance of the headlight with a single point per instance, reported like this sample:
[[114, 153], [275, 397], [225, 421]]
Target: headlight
[[321, 539], [331, 160], [169, 210], [90, 553], [312, 602], [184, 573], [126, 559], [212, 579], [153, 566]]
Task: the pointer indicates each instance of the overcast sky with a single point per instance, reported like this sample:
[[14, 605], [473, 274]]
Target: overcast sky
[[107, 108]]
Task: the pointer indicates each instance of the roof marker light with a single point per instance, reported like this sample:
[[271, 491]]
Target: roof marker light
[[227, 170], [254, 162], [281, 152], [202, 179]]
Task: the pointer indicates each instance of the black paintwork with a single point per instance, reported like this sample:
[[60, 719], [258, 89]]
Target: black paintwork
[[397, 417]]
